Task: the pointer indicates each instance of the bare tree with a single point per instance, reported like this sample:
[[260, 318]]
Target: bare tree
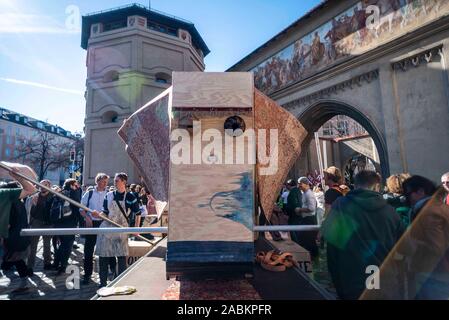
[[78, 145], [44, 151]]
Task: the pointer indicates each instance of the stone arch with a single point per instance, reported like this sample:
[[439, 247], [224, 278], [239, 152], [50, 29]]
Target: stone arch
[[317, 114]]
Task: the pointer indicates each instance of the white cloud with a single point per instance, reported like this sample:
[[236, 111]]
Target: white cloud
[[41, 85]]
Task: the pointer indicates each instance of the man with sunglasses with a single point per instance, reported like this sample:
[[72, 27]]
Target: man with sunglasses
[[445, 183], [418, 191]]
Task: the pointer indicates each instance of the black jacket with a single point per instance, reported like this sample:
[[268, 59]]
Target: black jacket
[[360, 231], [63, 214], [18, 220], [41, 211]]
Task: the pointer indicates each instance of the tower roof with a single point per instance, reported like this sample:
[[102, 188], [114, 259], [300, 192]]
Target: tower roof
[[151, 14]]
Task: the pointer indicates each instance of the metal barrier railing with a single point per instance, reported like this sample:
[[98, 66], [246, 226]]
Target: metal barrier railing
[[97, 231]]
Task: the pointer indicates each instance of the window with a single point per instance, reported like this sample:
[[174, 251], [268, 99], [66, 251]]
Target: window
[[327, 129], [17, 118], [163, 78], [111, 76], [7, 152], [18, 132], [16, 153], [161, 28], [8, 139], [40, 125], [110, 117], [342, 127], [115, 25]]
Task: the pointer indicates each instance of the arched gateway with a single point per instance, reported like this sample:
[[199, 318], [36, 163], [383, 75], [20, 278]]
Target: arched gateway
[[391, 76], [322, 111]]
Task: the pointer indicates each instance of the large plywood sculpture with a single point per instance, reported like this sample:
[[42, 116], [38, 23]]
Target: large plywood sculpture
[[213, 125]]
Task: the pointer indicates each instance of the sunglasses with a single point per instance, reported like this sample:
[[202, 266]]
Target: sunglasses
[[445, 183]]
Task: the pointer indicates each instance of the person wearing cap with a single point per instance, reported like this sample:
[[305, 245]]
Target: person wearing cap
[[307, 216]]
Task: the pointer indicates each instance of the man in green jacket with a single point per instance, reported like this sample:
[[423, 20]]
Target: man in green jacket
[[361, 230]]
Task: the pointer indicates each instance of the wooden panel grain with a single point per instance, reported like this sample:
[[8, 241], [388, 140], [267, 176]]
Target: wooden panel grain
[[213, 90], [212, 202]]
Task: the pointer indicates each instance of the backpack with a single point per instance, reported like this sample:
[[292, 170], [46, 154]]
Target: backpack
[[60, 210]]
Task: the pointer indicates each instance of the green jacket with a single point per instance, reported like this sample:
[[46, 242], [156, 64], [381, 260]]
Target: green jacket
[[7, 197], [294, 201], [360, 231]]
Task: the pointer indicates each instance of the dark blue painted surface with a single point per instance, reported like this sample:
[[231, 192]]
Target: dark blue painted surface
[[210, 251]]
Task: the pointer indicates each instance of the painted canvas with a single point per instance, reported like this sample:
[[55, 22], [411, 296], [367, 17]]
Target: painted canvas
[[348, 34], [146, 135]]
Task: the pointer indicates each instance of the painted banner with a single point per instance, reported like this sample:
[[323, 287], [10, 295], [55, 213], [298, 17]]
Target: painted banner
[[359, 29]]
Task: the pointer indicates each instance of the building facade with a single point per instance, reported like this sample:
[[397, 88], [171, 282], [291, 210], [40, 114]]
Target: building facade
[[131, 54], [16, 128], [383, 63]]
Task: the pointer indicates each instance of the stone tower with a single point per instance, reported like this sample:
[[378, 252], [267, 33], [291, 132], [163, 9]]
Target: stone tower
[[131, 54]]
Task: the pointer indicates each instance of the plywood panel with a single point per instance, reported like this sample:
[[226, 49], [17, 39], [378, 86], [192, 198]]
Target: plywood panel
[[212, 202], [212, 90]]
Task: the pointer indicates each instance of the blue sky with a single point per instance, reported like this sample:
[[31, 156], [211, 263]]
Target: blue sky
[[42, 66]]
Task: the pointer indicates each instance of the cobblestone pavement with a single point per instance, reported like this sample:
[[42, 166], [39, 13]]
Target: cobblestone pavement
[[45, 285]]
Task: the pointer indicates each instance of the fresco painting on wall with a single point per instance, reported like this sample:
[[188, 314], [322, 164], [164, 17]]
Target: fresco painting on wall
[[344, 36]]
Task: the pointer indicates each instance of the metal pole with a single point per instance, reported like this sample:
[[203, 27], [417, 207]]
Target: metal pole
[[89, 231], [63, 197], [286, 228], [94, 231], [320, 159]]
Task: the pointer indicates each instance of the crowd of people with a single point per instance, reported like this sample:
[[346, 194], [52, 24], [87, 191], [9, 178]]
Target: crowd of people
[[23, 206], [359, 226], [362, 224]]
